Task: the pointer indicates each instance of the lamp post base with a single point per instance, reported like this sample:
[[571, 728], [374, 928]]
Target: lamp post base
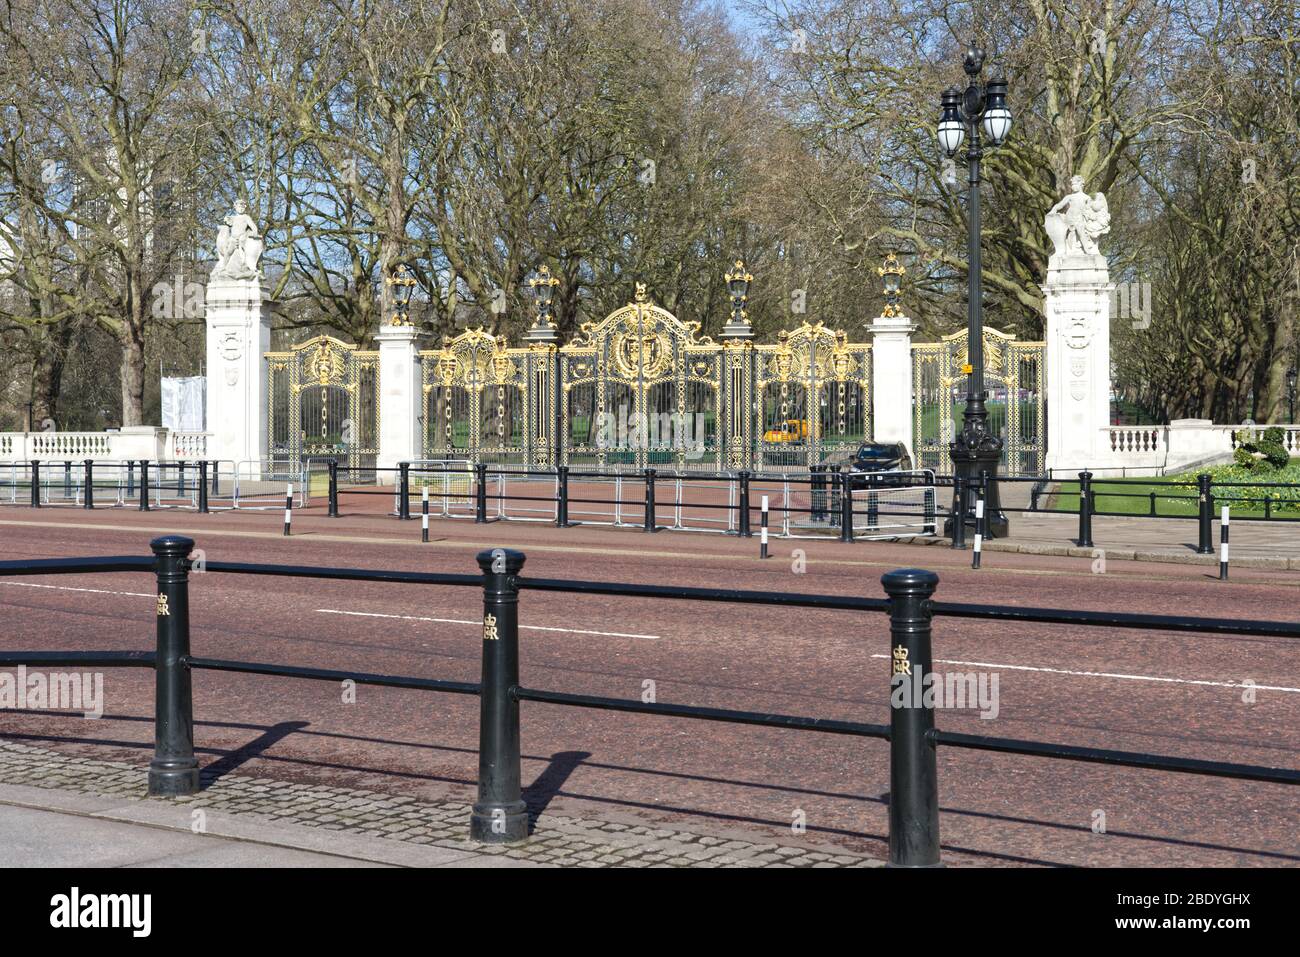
[[970, 463]]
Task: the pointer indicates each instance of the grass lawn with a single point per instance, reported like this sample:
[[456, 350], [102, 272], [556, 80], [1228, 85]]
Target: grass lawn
[[1176, 495]]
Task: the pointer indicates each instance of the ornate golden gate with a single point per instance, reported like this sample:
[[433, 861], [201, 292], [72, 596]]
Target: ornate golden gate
[[1013, 377], [323, 402], [642, 389], [813, 392], [487, 402]]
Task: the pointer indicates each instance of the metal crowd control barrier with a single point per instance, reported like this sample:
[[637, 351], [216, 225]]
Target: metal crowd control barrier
[[259, 485], [499, 814]]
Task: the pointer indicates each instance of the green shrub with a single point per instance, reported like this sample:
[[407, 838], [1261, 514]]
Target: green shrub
[[1261, 452]]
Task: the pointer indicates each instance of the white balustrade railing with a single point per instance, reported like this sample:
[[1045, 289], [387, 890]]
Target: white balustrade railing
[[188, 445], [1153, 449], [131, 443]]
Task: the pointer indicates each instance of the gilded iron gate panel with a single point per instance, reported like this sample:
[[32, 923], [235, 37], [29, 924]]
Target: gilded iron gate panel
[[812, 398], [486, 401], [323, 404], [1013, 378], [642, 389]]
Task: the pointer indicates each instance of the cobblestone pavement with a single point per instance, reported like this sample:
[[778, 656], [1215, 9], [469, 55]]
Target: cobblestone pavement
[[557, 840]]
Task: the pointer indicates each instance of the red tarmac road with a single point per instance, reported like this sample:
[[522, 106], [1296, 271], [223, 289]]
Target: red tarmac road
[[1131, 690]]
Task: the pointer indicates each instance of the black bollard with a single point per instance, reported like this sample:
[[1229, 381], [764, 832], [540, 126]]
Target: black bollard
[[36, 483], [650, 524], [174, 769], [144, 485], [288, 507], [480, 493], [404, 490], [203, 486], [1205, 543], [743, 478], [88, 484], [424, 513], [67, 480], [873, 502], [1085, 510], [913, 773], [762, 542], [130, 478], [818, 494], [499, 815], [334, 489], [562, 496], [180, 479]]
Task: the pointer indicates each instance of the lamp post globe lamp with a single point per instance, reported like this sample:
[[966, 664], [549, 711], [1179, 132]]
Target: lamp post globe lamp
[[975, 120]]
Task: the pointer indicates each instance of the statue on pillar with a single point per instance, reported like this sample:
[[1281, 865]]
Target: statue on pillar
[[1075, 223], [239, 247]]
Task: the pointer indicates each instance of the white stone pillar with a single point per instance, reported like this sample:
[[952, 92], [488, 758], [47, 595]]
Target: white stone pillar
[[238, 319], [891, 379], [1078, 363], [401, 396]]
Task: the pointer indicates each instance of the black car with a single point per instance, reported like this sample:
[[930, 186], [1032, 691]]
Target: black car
[[876, 457]]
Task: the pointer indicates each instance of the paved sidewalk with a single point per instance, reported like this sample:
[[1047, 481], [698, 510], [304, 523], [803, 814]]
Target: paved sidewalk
[[57, 810], [1254, 544]]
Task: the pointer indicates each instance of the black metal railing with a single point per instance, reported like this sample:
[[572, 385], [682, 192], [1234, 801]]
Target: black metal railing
[[499, 814]]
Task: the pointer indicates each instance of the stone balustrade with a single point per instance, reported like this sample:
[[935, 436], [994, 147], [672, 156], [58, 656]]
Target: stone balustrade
[[131, 443]]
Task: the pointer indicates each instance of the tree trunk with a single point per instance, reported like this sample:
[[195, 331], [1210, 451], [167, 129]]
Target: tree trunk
[[132, 378]]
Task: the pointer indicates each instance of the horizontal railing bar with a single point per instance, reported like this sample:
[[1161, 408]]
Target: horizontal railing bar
[[323, 674], [344, 574], [105, 659], [1119, 619], [1129, 759], [798, 722], [840, 602], [77, 566], [1270, 629]]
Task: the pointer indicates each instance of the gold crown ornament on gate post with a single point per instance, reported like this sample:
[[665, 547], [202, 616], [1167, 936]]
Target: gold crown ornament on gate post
[[892, 273], [402, 283], [543, 286], [738, 281]]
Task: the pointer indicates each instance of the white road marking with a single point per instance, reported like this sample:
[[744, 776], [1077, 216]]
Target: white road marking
[[93, 591], [469, 621], [1108, 674]]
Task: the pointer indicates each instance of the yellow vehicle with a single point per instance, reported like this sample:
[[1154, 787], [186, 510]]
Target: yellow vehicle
[[789, 432]]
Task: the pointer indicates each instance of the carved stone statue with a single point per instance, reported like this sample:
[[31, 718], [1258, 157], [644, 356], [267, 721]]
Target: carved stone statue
[[1076, 221], [239, 247]]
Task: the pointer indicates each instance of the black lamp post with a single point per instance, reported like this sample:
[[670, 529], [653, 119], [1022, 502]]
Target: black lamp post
[[981, 108]]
